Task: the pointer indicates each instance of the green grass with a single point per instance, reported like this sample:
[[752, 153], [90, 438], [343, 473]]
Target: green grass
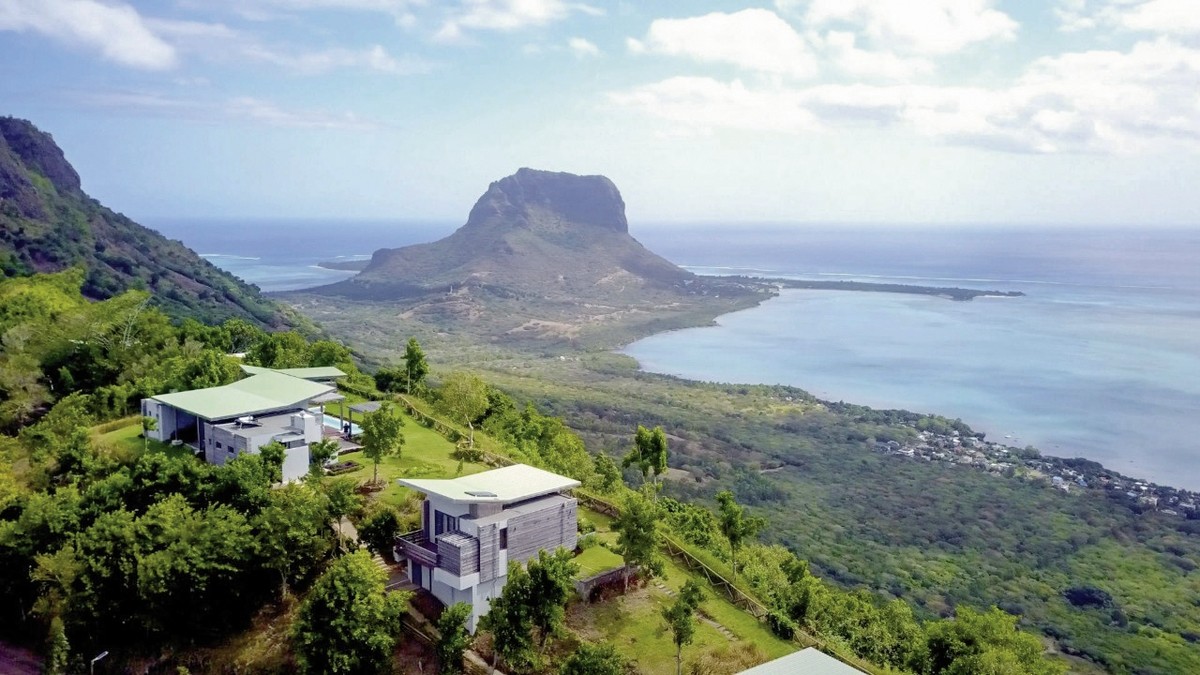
[[595, 560], [128, 443], [633, 623], [425, 454]]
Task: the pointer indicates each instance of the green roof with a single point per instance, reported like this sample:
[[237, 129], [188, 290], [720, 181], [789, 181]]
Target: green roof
[[268, 390], [317, 373]]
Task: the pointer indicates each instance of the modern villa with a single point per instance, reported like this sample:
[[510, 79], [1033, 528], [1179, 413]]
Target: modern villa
[[473, 526], [269, 405]]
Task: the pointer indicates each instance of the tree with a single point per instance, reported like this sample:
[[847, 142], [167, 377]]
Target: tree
[[148, 424], [465, 398], [293, 533], [649, 452], [415, 367], [509, 621], [454, 638], [348, 623], [379, 531], [681, 619], [273, 455], [552, 583], [280, 350], [58, 652], [986, 642], [608, 474], [592, 659], [638, 540], [382, 435], [321, 451], [736, 525]]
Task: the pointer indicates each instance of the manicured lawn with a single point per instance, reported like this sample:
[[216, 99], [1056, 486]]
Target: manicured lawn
[[425, 454], [595, 560], [127, 442]]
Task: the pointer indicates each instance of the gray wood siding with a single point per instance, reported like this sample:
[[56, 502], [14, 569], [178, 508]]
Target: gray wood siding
[[458, 554], [546, 529], [489, 545]]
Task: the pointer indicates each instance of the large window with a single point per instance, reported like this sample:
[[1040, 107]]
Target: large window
[[444, 523]]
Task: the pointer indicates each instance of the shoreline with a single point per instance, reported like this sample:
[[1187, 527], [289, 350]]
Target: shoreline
[[1115, 479]]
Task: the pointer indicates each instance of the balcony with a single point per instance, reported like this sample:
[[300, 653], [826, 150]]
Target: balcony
[[416, 547]]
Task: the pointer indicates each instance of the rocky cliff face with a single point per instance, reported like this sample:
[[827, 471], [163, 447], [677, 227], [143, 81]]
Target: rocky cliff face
[[534, 233], [533, 199], [48, 224]]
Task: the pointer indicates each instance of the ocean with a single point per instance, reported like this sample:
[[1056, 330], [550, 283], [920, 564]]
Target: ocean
[[1100, 359]]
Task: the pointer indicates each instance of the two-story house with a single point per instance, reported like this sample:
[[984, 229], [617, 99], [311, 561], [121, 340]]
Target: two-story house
[[473, 526]]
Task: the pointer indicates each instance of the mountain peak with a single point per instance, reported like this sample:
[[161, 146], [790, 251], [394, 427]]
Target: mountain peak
[[536, 234], [535, 199], [37, 150]]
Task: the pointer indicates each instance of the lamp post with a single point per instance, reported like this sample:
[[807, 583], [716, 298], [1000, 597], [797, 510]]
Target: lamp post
[[92, 665]]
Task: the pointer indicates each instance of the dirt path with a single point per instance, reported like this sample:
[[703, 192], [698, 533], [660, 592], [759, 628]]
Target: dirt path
[[17, 661]]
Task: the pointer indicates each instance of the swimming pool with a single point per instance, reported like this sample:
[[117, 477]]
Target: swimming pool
[[333, 422]]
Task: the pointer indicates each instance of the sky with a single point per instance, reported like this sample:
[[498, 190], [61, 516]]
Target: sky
[[1080, 112]]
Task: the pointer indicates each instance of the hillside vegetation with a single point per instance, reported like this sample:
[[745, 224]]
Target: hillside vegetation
[[48, 224]]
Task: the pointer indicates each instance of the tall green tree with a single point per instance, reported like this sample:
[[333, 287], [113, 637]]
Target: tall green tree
[[148, 424], [681, 619], [293, 533], [591, 659], [382, 435], [649, 452], [58, 649], [552, 583], [736, 525], [608, 474], [453, 638], [510, 623], [464, 397], [348, 623], [638, 539], [415, 367]]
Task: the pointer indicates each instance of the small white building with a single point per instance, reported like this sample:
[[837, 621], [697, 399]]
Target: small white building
[[473, 526], [269, 405]]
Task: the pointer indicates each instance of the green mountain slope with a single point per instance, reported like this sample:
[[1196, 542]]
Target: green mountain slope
[[48, 223]]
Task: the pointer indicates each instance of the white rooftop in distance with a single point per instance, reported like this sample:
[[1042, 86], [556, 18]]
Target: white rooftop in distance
[[498, 486], [808, 661]]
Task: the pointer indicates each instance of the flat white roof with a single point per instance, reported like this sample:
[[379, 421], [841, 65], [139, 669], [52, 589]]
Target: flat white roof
[[505, 485], [808, 661]]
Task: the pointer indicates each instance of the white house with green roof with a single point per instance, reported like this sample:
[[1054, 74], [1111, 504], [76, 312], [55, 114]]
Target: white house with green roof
[[269, 405], [473, 526]]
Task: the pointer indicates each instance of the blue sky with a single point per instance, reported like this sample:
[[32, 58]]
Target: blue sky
[[887, 111]]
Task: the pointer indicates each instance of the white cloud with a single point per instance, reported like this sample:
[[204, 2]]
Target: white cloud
[[703, 104], [842, 49], [933, 27], [1098, 101], [1175, 17], [582, 48], [1164, 17], [319, 62], [116, 31], [238, 109], [265, 10], [505, 15], [752, 39]]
